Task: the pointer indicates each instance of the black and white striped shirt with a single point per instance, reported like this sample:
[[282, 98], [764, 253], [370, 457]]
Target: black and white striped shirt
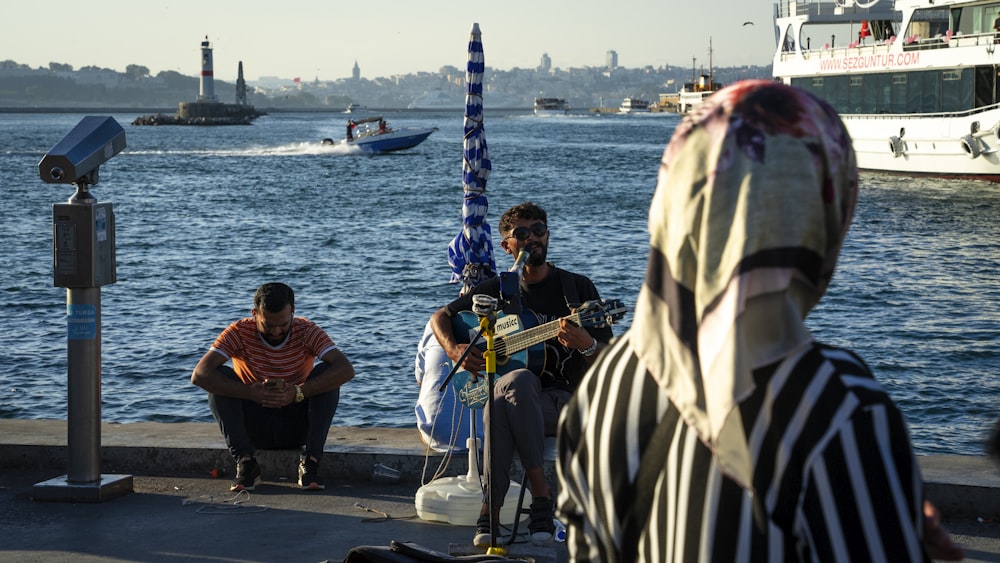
[[834, 475]]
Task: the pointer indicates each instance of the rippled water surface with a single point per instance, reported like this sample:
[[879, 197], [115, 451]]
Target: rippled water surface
[[204, 215]]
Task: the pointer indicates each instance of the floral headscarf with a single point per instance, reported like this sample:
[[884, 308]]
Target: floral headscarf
[[756, 191]]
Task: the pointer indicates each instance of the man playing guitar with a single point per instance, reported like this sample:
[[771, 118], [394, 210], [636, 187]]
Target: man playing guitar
[[526, 403]]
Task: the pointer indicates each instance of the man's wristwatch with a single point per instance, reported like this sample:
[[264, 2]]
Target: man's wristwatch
[[299, 397], [590, 350]]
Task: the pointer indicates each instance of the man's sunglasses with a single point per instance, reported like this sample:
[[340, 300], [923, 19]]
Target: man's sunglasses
[[523, 233]]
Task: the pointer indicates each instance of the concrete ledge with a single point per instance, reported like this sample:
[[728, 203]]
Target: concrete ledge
[[191, 448], [958, 485]]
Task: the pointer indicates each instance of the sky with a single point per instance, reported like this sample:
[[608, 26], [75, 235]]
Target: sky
[[323, 38]]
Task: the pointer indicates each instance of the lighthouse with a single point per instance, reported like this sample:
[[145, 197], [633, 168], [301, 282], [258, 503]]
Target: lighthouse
[[207, 91], [207, 109]]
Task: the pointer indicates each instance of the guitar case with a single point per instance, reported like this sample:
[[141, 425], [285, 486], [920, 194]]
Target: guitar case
[[409, 552]]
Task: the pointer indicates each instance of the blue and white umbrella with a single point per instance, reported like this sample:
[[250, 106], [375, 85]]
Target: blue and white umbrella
[[471, 252]]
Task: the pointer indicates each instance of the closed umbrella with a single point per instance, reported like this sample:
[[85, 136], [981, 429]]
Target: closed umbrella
[[470, 254]]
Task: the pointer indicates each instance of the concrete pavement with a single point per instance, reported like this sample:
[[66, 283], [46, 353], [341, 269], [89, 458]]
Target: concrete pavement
[[178, 512]]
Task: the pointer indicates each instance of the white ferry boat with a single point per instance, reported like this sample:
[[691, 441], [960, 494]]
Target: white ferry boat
[[699, 88], [634, 105], [694, 92], [545, 107], [915, 81]]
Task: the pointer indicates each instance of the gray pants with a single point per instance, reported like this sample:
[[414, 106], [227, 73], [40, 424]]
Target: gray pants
[[522, 415]]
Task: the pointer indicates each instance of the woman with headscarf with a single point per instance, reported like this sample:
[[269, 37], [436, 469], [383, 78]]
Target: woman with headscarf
[[717, 428]]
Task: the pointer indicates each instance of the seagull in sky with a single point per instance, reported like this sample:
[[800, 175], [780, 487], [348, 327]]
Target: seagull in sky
[[747, 23]]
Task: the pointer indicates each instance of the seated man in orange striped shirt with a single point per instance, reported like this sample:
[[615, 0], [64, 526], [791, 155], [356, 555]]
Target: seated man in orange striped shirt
[[275, 395]]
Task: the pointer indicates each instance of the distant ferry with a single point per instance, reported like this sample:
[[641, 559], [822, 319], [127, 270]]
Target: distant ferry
[[634, 105], [698, 89], [438, 99], [915, 81], [356, 108], [551, 106], [694, 92]]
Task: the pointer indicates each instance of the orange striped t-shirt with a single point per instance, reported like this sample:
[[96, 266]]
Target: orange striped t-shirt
[[256, 360]]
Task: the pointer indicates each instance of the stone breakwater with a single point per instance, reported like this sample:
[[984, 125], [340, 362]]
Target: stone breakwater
[[203, 113]]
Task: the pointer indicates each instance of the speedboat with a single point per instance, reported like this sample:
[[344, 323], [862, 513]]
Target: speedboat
[[545, 107], [914, 81], [634, 105], [374, 135]]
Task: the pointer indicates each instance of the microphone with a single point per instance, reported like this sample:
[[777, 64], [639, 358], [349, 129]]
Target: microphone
[[510, 285], [522, 257]]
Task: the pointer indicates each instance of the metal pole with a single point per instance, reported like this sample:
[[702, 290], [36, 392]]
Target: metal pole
[[83, 317]]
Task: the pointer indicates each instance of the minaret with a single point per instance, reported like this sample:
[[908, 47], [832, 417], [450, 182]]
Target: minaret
[[241, 87], [207, 92]]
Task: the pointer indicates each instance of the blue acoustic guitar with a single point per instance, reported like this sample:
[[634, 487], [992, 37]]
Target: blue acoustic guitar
[[518, 340]]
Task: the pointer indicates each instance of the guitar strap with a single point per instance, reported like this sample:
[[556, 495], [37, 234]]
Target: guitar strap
[[569, 289]]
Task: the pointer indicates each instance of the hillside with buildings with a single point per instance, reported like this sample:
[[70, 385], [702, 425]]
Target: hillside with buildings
[[61, 86]]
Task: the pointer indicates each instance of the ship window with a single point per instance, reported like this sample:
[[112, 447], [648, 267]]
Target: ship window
[[817, 83], [913, 91], [984, 86], [974, 20], [929, 23], [836, 92], [930, 91], [874, 85], [856, 93], [957, 90], [897, 95], [789, 44]]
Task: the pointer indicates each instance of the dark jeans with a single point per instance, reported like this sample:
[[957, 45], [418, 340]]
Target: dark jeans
[[248, 426], [522, 415]]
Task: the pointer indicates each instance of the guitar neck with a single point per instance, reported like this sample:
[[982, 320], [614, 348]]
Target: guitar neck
[[514, 343]]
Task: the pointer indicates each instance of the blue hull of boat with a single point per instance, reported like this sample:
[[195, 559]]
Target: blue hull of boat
[[393, 141]]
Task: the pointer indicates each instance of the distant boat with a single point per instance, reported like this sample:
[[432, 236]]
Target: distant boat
[[695, 91], [438, 99], [356, 108], [374, 135], [914, 82], [545, 107], [634, 105]]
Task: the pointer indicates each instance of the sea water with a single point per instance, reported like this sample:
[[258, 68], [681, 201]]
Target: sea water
[[206, 214]]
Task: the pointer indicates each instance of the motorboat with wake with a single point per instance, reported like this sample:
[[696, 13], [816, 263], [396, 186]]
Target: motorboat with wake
[[373, 134], [915, 81]]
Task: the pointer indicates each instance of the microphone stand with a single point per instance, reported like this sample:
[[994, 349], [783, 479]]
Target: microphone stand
[[486, 308]]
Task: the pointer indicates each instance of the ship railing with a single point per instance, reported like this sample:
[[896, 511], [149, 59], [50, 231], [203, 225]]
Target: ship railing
[[943, 114], [814, 8], [916, 44]]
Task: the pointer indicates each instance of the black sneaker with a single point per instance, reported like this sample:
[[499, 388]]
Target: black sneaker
[[482, 537], [309, 475], [247, 475], [540, 523]]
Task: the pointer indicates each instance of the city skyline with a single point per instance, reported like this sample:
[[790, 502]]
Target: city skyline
[[312, 39]]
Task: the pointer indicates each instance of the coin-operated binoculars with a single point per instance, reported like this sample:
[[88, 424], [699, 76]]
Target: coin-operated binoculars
[[83, 257]]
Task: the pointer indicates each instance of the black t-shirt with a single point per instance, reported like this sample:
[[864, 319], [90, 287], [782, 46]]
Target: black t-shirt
[[545, 301]]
